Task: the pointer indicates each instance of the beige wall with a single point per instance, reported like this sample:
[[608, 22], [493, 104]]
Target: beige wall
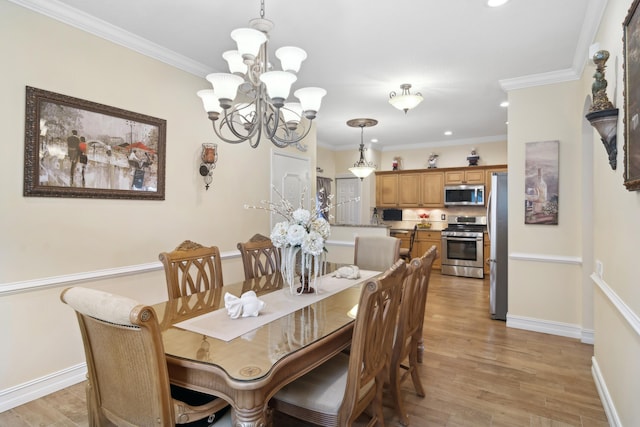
[[50, 243], [449, 155], [616, 233]]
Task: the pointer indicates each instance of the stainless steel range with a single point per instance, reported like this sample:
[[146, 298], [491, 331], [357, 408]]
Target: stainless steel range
[[463, 246]]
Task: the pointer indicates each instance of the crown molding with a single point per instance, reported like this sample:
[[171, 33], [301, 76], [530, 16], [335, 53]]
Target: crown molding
[[90, 24]]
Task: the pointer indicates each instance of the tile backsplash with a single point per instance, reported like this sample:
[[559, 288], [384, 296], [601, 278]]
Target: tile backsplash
[[438, 217]]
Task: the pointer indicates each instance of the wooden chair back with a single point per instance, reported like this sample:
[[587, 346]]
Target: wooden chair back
[[377, 253], [259, 257], [127, 371], [408, 335], [337, 392], [371, 344], [191, 268], [405, 253]]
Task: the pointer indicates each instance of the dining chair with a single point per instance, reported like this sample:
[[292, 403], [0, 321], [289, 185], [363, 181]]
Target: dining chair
[[405, 253], [259, 257], [337, 392], [191, 268], [376, 253], [408, 335], [127, 370]]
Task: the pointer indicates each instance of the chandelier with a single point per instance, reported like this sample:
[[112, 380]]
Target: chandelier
[[362, 168], [405, 101], [261, 107]]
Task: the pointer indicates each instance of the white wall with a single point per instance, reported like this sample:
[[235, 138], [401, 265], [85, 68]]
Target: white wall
[[50, 243]]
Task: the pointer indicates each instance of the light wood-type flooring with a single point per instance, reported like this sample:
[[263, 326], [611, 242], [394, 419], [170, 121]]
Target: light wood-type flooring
[[476, 372]]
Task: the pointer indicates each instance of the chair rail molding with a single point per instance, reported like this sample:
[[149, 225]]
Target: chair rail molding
[[87, 276]]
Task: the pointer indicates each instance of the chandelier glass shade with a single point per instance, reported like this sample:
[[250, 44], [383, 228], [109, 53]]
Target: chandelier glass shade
[[251, 100], [405, 101], [362, 168]]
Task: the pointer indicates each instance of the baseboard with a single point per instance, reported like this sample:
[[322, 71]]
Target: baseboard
[[547, 327], [35, 389], [605, 397]]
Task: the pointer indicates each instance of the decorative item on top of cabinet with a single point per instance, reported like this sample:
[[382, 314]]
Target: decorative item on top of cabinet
[[473, 157], [464, 176], [433, 159]]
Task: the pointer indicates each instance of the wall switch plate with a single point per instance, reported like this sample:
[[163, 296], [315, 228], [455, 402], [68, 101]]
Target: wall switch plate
[[599, 268], [443, 216]]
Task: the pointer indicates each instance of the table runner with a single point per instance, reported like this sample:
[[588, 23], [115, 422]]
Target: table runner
[[218, 324]]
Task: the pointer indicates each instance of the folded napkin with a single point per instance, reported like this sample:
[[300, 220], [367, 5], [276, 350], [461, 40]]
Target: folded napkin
[[248, 305], [348, 272]]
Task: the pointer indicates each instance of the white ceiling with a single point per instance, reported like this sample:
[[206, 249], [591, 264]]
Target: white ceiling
[[460, 54]]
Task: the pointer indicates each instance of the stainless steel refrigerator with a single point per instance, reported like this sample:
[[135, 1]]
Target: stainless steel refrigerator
[[497, 226]]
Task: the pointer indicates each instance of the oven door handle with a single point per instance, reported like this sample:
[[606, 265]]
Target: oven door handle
[[463, 239]]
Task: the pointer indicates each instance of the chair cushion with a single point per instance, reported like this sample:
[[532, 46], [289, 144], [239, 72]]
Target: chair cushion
[[322, 389]]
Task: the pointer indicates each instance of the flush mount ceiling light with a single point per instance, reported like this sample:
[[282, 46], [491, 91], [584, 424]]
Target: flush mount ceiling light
[[263, 109], [405, 101], [362, 168], [496, 3]]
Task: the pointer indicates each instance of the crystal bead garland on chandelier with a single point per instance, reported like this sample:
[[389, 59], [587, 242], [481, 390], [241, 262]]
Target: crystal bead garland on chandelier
[[265, 91]]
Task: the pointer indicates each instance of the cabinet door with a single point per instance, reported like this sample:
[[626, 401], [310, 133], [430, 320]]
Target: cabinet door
[[387, 191], [409, 189], [464, 176], [424, 240], [432, 192]]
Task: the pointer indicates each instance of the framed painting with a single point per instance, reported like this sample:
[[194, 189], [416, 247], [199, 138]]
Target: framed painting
[[541, 182], [79, 148], [631, 53]]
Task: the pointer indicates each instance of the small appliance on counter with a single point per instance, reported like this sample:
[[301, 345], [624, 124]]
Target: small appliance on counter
[[392, 214]]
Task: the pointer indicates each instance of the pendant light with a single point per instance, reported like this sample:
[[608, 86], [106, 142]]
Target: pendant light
[[362, 168]]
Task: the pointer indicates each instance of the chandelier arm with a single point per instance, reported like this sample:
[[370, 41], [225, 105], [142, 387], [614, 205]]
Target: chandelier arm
[[230, 141], [296, 141], [232, 128]]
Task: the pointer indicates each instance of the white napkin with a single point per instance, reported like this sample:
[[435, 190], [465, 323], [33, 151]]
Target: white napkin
[[248, 305], [348, 272]]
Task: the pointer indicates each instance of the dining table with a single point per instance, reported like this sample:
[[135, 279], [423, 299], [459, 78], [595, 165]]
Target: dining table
[[246, 360]]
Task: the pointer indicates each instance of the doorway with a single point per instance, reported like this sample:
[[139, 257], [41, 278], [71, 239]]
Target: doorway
[[347, 189]]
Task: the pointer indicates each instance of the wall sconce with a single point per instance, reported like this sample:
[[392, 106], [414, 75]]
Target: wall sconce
[[209, 158], [603, 116]]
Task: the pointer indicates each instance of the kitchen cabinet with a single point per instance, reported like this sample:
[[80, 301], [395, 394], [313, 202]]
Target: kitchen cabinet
[[432, 191], [410, 190], [424, 240], [387, 191], [409, 186], [465, 176]]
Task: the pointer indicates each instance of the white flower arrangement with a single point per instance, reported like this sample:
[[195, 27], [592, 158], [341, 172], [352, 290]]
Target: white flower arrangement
[[302, 231]]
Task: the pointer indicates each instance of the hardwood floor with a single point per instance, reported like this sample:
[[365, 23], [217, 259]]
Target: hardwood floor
[[476, 372]]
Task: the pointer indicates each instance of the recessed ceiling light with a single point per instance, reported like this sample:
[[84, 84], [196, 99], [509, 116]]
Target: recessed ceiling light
[[374, 140], [496, 3], [448, 133], [504, 104]]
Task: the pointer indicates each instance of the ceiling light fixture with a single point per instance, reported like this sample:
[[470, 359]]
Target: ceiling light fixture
[[362, 168], [405, 101], [496, 3], [263, 108]]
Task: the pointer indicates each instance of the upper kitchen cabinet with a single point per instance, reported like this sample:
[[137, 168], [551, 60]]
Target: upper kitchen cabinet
[[465, 176], [409, 189], [387, 190], [432, 192]]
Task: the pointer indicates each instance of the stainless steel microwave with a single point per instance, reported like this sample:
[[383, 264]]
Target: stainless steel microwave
[[466, 195]]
